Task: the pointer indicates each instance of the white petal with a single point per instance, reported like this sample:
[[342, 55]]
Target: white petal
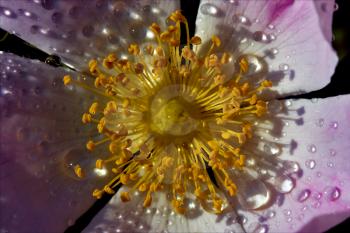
[[291, 37], [78, 31]]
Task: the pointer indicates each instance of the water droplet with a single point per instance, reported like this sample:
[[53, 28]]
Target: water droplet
[[57, 17], [284, 184], [53, 60], [271, 37], [310, 164], [274, 51], [241, 19], [284, 67], [289, 219], [320, 122], [288, 103], [316, 204], [304, 195], [260, 36], [332, 152], [209, 9], [252, 194], [88, 30], [48, 4], [271, 214], [334, 124], [332, 193], [318, 174], [272, 148], [255, 64], [291, 167], [330, 164], [7, 12], [336, 7], [287, 212], [311, 148], [260, 229]]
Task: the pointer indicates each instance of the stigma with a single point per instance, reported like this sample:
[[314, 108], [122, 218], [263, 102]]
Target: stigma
[[170, 118]]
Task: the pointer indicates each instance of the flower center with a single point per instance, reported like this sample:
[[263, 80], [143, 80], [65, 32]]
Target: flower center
[[172, 120]]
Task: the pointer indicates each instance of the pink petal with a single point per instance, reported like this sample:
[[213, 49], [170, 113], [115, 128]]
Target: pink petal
[[292, 38], [132, 217], [80, 30], [316, 136], [41, 138]]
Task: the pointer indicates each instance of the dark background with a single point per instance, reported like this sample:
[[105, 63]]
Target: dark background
[[340, 83]]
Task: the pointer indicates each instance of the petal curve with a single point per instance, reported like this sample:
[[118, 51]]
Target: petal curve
[[291, 36], [41, 140], [78, 31]]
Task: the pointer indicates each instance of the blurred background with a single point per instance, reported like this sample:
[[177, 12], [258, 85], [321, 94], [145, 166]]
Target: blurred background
[[340, 83]]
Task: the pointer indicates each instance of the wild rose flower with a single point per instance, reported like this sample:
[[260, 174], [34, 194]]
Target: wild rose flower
[[195, 133]]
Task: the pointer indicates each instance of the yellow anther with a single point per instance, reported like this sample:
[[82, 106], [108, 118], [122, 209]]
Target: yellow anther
[[93, 67], [78, 171], [126, 103], [111, 107], [138, 67], [245, 88], [243, 65], [219, 79], [217, 204], [99, 164], [114, 147], [111, 57], [127, 154], [90, 145], [143, 187], [165, 36], [260, 108], [247, 129], [97, 193], [241, 138], [196, 40], [124, 178], [266, 83], [239, 163], [225, 58], [133, 176], [216, 40], [134, 49], [149, 49], [177, 16], [86, 118], [253, 99], [174, 42], [93, 108], [155, 28], [108, 190], [67, 79], [148, 200], [125, 197], [107, 64], [226, 135], [172, 29], [213, 145], [178, 206], [160, 51]]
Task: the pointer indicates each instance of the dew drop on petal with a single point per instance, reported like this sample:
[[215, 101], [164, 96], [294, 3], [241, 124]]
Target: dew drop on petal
[[310, 164], [332, 152], [253, 194], [320, 122], [274, 51], [284, 184], [272, 148], [284, 67], [260, 36], [291, 167], [255, 64], [334, 124], [209, 9], [332, 193], [274, 106], [311, 148], [304, 195], [260, 229]]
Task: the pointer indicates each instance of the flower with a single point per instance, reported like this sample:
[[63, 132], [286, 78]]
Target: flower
[[261, 164]]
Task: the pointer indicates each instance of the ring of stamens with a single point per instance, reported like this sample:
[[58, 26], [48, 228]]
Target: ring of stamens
[[166, 115]]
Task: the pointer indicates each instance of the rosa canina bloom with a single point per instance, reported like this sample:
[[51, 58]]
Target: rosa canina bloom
[[190, 137]]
